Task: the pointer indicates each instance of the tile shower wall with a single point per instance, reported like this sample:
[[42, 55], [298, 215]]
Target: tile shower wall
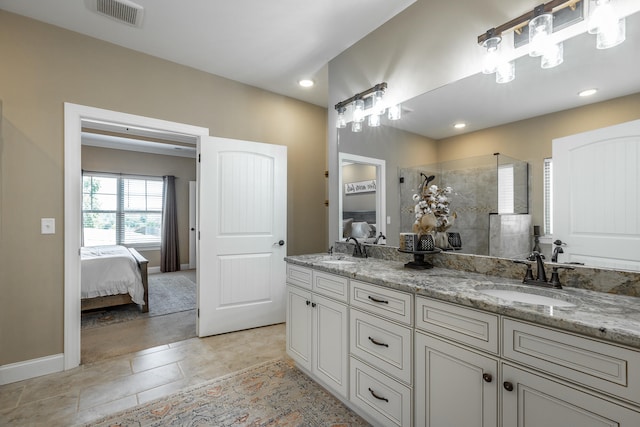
[[475, 196]]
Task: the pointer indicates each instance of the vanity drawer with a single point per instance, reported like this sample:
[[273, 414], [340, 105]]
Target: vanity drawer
[[300, 276], [606, 367], [383, 344], [389, 303], [468, 326], [383, 398], [330, 285]]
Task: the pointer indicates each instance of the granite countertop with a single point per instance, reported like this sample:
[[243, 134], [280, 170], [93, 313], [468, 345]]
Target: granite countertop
[[615, 318]]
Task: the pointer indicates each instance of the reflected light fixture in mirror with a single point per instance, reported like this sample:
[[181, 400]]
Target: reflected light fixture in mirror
[[491, 57], [395, 112], [606, 23], [603, 21], [540, 30]]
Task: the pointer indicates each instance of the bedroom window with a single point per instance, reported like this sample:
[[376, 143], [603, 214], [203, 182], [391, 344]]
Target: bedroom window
[[121, 210]]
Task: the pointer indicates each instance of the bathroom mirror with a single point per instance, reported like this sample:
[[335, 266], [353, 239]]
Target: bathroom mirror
[[362, 203], [497, 115]]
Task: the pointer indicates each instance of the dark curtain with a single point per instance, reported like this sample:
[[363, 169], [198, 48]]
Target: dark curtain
[[169, 251]]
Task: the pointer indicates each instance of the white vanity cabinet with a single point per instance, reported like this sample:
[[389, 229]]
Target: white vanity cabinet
[[381, 337], [537, 393], [317, 326], [470, 363], [455, 385], [530, 399]]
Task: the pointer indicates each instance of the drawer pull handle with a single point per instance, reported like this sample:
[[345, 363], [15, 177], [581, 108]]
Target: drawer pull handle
[[508, 386], [377, 397], [378, 343], [487, 377], [381, 301]]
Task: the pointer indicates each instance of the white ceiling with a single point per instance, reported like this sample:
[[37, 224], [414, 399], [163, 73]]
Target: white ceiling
[[267, 44]]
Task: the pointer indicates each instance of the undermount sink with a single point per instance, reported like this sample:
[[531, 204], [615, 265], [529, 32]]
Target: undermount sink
[[337, 261], [527, 297]]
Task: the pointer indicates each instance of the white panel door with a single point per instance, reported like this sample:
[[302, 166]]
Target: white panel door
[[596, 196], [242, 194]]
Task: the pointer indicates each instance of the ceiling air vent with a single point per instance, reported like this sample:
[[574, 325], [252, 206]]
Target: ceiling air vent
[[123, 11]]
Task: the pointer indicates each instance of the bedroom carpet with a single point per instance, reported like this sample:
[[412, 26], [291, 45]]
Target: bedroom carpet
[[274, 393], [168, 293]]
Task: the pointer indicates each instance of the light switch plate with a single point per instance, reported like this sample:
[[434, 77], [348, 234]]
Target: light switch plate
[[47, 225]]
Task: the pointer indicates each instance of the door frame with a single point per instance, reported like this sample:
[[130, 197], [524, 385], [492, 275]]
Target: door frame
[[74, 114]]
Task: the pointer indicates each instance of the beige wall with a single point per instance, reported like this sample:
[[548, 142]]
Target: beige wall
[[530, 140], [121, 161], [44, 66]]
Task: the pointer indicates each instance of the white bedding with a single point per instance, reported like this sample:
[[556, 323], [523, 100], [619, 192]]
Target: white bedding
[[110, 270]]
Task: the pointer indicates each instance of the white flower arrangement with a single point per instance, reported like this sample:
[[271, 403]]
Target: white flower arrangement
[[432, 210]]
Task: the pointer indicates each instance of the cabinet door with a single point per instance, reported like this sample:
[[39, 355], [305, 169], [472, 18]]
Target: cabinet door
[[454, 386], [330, 344], [534, 401], [299, 316]]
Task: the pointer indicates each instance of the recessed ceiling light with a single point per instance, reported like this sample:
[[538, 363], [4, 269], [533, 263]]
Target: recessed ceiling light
[[460, 125], [587, 92], [306, 82]]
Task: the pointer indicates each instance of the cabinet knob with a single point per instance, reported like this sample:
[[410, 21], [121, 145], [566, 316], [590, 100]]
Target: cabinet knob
[[508, 386], [487, 377], [313, 304], [308, 302]]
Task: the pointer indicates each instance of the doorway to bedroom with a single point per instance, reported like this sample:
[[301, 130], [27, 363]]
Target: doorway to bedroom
[[136, 197], [135, 151]]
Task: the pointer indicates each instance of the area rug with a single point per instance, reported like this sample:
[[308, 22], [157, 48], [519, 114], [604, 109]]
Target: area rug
[[274, 393], [168, 293]]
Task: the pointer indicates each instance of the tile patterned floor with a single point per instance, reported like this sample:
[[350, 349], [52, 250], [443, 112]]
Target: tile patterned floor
[[101, 388]]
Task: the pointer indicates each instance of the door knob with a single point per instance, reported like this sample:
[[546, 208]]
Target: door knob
[[279, 243], [193, 229]]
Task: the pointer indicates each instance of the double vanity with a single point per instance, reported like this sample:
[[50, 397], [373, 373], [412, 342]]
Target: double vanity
[[447, 347]]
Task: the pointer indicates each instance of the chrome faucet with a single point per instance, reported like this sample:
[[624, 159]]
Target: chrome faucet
[[358, 250]]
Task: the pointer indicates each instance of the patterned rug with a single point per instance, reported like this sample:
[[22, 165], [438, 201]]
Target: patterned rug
[[168, 293], [274, 393]]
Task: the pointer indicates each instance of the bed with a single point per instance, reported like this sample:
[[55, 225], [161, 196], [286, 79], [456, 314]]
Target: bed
[[113, 275], [359, 224]]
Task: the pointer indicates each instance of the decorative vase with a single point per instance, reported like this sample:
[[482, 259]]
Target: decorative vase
[[441, 241], [454, 240], [426, 243]]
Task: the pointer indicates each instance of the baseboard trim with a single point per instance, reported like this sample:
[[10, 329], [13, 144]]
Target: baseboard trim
[[27, 369], [153, 270]]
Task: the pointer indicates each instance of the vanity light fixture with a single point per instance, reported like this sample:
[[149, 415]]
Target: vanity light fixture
[[603, 21], [369, 103], [358, 110], [341, 121]]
